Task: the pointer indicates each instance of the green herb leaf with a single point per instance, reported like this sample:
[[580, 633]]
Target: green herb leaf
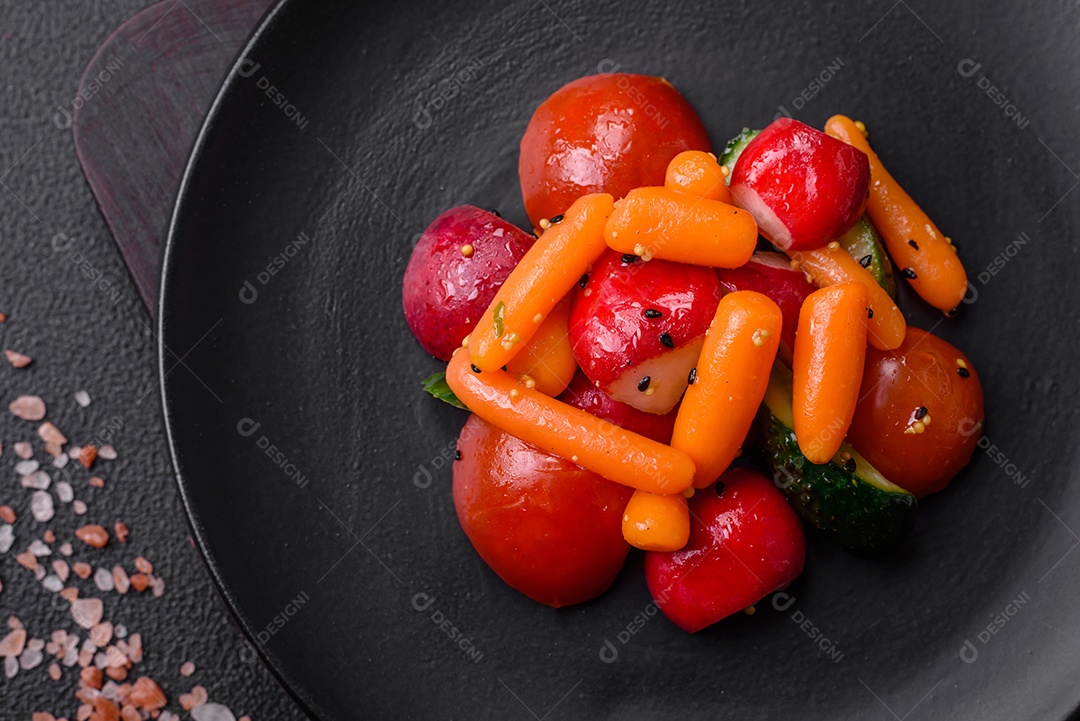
[[436, 385], [499, 327]]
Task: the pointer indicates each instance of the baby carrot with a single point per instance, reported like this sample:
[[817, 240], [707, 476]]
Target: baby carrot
[[729, 382], [831, 265], [653, 522], [698, 173], [827, 367], [667, 224], [546, 273], [547, 360], [925, 257], [556, 427]]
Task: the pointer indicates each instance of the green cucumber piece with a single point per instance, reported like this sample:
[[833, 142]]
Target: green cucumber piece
[[861, 511], [734, 149], [863, 244]]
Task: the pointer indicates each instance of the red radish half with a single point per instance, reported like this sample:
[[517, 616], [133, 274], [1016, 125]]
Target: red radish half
[[803, 187]]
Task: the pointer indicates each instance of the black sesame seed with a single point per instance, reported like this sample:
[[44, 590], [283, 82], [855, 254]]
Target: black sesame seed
[[643, 384], [474, 368], [457, 455], [653, 313], [866, 260], [869, 313], [920, 413], [963, 372], [496, 213], [719, 487], [849, 465], [557, 219], [913, 244], [584, 279], [909, 274], [665, 340], [952, 313], [692, 378], [629, 258]]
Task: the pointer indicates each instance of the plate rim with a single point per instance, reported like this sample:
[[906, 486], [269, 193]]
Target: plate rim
[[194, 521]]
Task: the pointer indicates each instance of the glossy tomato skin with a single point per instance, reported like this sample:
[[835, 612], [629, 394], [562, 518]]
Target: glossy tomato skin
[[548, 528], [921, 373], [583, 393], [745, 542], [605, 133]]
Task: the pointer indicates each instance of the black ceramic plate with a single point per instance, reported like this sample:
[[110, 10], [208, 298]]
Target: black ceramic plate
[[316, 472]]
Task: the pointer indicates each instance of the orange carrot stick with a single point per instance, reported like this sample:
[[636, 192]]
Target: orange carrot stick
[[653, 522], [542, 278], [925, 257], [547, 360], [827, 367], [832, 265], [729, 382], [667, 224], [698, 173], [556, 427]]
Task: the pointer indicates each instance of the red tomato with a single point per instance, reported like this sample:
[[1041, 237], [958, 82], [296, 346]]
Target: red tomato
[[604, 133], [921, 412], [550, 529]]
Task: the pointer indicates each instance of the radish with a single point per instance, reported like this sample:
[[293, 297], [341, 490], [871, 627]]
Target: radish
[[637, 327], [455, 269], [803, 187]]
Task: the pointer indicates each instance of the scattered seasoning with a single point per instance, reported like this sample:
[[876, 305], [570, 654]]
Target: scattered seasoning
[[849, 465], [629, 258], [653, 313], [963, 372], [921, 412], [689, 492], [760, 336], [457, 455], [467, 250], [869, 313], [692, 378], [538, 318], [496, 213], [833, 246], [545, 223], [584, 279], [474, 368], [719, 488], [17, 360], [666, 341], [514, 393], [498, 314], [643, 384], [866, 260], [909, 274], [557, 218], [913, 244]]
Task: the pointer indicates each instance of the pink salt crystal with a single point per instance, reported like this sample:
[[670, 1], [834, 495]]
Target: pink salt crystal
[[14, 622], [16, 359], [157, 586], [87, 612], [107, 452], [212, 712], [66, 549], [11, 666], [187, 668], [13, 643], [104, 580], [120, 580], [24, 450], [41, 507], [61, 567], [101, 634], [78, 506], [84, 712], [51, 434], [31, 658], [54, 671], [82, 398], [29, 408]]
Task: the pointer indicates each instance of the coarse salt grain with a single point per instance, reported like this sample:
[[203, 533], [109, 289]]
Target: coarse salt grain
[[60, 461], [107, 453], [24, 450], [31, 659], [28, 408], [120, 580], [143, 565], [51, 434], [64, 492], [212, 712], [41, 506], [93, 535], [16, 359], [39, 549], [25, 467], [52, 583], [13, 643], [7, 538], [78, 506], [38, 479], [187, 668], [82, 398], [87, 612], [103, 579]]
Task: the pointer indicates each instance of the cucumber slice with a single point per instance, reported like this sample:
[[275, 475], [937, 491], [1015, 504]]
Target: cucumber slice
[[734, 149], [863, 244], [861, 510]]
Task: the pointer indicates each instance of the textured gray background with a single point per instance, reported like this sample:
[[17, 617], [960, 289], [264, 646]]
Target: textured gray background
[[82, 336]]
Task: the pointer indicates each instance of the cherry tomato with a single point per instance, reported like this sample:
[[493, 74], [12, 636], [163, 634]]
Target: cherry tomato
[[550, 529], [604, 133], [920, 412]]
